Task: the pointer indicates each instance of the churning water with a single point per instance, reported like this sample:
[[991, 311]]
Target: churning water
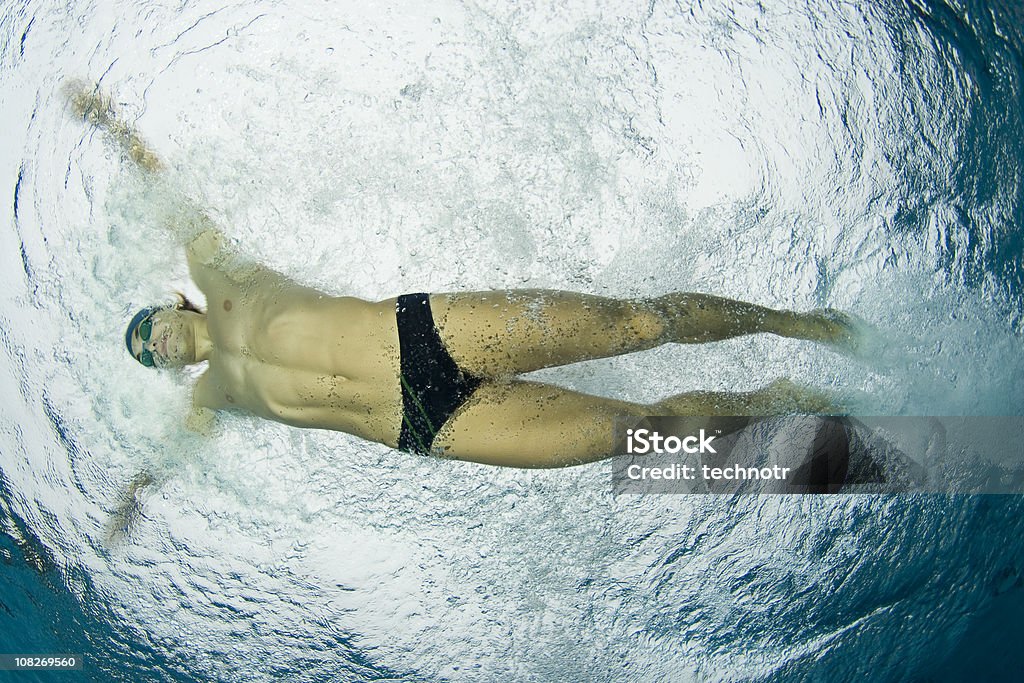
[[865, 156]]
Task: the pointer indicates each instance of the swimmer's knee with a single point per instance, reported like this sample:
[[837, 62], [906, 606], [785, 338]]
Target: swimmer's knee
[[645, 323]]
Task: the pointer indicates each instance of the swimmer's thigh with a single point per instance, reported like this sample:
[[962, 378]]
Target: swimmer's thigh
[[504, 333], [529, 424]]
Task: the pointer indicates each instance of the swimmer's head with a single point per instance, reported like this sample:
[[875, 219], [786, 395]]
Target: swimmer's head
[[164, 336]]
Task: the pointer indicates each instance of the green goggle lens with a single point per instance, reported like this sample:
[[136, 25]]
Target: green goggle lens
[[145, 330]]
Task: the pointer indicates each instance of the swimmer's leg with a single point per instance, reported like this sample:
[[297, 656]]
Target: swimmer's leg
[[529, 424], [504, 333], [88, 102], [779, 397], [496, 334], [695, 318]]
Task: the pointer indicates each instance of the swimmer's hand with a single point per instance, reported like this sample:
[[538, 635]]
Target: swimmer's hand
[[201, 421], [129, 509], [90, 103]]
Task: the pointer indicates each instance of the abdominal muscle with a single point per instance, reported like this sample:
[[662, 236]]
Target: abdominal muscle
[[367, 407], [317, 362]]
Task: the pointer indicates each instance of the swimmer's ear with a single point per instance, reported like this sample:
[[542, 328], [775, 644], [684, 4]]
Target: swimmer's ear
[[129, 510]]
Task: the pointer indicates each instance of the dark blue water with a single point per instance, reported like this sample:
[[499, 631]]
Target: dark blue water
[[980, 42]]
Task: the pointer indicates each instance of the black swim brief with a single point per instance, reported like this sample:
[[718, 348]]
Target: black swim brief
[[433, 386]]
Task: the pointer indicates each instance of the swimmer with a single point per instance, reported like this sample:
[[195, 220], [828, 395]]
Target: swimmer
[[433, 374]]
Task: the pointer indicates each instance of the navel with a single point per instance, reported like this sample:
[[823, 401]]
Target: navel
[[230, 398], [227, 304]]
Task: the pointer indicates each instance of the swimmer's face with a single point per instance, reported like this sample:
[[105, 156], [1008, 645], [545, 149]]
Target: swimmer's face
[[171, 341]]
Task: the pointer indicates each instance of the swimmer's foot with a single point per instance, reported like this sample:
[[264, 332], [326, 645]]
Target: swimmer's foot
[[783, 396], [844, 332]]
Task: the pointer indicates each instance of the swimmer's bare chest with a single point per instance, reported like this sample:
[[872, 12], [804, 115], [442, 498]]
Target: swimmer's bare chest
[[294, 355]]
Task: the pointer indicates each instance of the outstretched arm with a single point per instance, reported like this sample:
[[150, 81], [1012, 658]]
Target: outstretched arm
[[99, 109], [129, 509], [210, 256]]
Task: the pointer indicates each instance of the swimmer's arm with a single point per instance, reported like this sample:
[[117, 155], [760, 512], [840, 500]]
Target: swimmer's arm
[[129, 509], [98, 108], [214, 264], [206, 248], [218, 267], [210, 256], [205, 252], [190, 226], [203, 415]]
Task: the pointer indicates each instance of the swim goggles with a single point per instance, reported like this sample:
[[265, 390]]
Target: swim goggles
[[144, 320]]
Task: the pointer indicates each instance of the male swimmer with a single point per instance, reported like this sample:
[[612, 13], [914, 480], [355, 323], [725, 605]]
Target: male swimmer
[[433, 374]]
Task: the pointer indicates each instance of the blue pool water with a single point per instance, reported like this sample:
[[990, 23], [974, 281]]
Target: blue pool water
[[860, 156]]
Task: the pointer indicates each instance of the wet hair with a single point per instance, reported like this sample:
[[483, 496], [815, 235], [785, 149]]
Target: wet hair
[[186, 304]]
